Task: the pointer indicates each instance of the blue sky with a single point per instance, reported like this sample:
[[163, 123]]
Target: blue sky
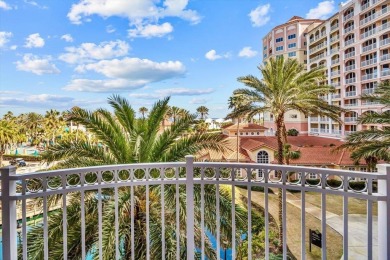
[[58, 54]]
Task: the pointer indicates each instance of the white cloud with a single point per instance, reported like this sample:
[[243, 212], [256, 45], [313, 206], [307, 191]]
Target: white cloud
[[125, 74], [172, 92], [39, 66], [151, 30], [13, 47], [198, 101], [89, 52], [103, 85], [212, 55], [40, 100], [4, 38], [135, 69], [67, 37], [34, 41], [140, 13], [4, 5], [322, 11], [33, 3], [259, 16], [110, 29], [247, 52]]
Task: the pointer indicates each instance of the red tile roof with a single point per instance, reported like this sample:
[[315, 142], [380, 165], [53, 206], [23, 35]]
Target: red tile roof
[[246, 127]]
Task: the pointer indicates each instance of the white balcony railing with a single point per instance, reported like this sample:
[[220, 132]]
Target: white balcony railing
[[335, 73], [350, 119], [334, 27], [351, 104], [348, 29], [369, 62], [348, 16], [350, 93], [385, 73], [369, 47], [350, 80], [335, 38], [349, 132], [105, 183], [349, 42], [336, 132], [384, 27], [385, 57], [314, 130], [334, 96], [367, 19], [365, 6], [324, 131], [335, 61], [384, 42], [350, 67], [334, 50], [318, 47], [369, 76], [314, 118], [349, 54], [335, 84], [368, 90], [368, 33]]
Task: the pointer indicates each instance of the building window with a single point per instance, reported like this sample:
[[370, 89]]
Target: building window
[[304, 43], [363, 169], [292, 45], [305, 61], [279, 48], [279, 56], [279, 39], [292, 36], [292, 54], [262, 157], [265, 47], [294, 116], [312, 176], [305, 52]]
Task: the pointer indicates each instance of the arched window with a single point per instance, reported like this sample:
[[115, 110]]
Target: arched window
[[262, 157]]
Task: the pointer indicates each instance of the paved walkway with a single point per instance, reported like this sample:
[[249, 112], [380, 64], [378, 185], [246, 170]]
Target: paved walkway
[[357, 231]]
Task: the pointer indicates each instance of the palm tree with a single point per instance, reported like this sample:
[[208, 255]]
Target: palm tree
[[9, 116], [143, 111], [236, 102], [202, 111], [53, 123], [33, 123], [285, 86], [372, 144], [8, 136], [127, 139]]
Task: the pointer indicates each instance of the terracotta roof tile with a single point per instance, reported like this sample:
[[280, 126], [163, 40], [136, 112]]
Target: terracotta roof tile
[[246, 127]]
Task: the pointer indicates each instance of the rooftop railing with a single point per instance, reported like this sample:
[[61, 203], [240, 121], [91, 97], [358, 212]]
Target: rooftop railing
[[185, 182]]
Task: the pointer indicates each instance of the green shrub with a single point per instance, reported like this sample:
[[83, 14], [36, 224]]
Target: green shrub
[[27, 158], [254, 188], [292, 132]]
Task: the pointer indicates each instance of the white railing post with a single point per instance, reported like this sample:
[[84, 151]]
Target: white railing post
[[190, 207], [8, 189], [384, 213]]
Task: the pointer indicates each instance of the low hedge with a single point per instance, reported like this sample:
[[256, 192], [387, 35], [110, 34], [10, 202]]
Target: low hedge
[[356, 185], [254, 188], [27, 158]]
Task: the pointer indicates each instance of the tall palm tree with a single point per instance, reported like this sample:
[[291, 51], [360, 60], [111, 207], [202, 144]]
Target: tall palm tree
[[286, 86], [236, 102], [202, 111], [143, 111], [8, 136], [372, 144], [33, 123], [9, 116], [53, 124], [130, 140]]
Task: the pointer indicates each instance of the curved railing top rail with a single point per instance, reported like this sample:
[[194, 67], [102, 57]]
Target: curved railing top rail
[[165, 165]]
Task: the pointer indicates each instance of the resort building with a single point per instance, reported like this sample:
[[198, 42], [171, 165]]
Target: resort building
[[288, 40], [257, 148], [354, 47]]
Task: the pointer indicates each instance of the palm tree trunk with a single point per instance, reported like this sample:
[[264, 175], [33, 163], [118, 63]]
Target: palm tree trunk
[[279, 136], [238, 138]]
